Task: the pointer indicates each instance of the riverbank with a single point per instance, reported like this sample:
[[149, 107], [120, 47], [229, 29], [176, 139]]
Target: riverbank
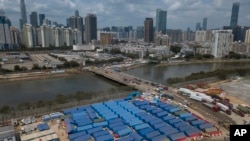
[[8, 78], [201, 62]]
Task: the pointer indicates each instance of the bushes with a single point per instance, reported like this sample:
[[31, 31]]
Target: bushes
[[221, 74]]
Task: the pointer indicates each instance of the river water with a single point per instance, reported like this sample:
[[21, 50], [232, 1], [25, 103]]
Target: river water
[[161, 73], [34, 90]]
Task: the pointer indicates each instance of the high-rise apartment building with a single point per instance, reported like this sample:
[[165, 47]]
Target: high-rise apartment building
[[148, 30], [23, 19], [90, 28], [41, 18], [76, 22], [198, 26], [28, 35], [161, 21], [203, 36], [33, 19], [237, 31], [234, 14], [247, 37], [139, 32], [5, 37], [204, 24], [176, 35], [221, 40]]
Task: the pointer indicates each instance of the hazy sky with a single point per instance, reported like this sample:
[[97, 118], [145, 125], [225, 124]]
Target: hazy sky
[[181, 13]]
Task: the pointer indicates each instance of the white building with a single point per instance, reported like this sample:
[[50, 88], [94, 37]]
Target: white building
[[28, 36], [247, 38], [222, 40], [45, 35], [203, 36]]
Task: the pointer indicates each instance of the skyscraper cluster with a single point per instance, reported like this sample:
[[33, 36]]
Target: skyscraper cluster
[[204, 25], [9, 38]]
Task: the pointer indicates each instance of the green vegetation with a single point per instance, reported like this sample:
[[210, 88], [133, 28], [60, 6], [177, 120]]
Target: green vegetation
[[115, 51], [131, 55], [175, 49], [100, 62], [199, 56], [221, 74], [233, 55]]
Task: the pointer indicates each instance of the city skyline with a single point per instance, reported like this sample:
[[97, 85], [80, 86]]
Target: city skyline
[[125, 13]]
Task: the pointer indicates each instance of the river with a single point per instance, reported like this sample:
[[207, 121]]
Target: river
[[18, 92], [46, 89], [161, 73]]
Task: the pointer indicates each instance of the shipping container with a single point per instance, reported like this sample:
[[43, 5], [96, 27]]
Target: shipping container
[[127, 138], [211, 129], [160, 138], [76, 135], [83, 128], [177, 136], [205, 125], [173, 110], [161, 114], [107, 137], [152, 134], [142, 126], [192, 132], [179, 112], [83, 138], [170, 132], [189, 119], [172, 121], [123, 132], [159, 125], [197, 122], [180, 124], [169, 117], [136, 136], [185, 115], [185, 128], [145, 131], [153, 122], [95, 129], [100, 133]]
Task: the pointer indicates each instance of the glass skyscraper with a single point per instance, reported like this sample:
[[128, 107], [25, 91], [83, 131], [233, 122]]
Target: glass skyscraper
[[23, 19], [234, 15], [161, 21]]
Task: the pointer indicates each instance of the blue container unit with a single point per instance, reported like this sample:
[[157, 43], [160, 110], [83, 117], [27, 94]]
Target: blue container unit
[[180, 124], [95, 129], [144, 131], [136, 136], [43, 126], [79, 115], [111, 121], [159, 125], [46, 118], [185, 128], [115, 124], [118, 128], [189, 119], [100, 133], [168, 108], [83, 122], [141, 126], [107, 137], [155, 121], [177, 136], [160, 138], [152, 134], [161, 114], [205, 125], [82, 138], [82, 128], [70, 128], [197, 122], [192, 132], [174, 121], [127, 138], [76, 135], [168, 130], [144, 107], [169, 117], [123, 132], [185, 115], [156, 111], [173, 110]]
